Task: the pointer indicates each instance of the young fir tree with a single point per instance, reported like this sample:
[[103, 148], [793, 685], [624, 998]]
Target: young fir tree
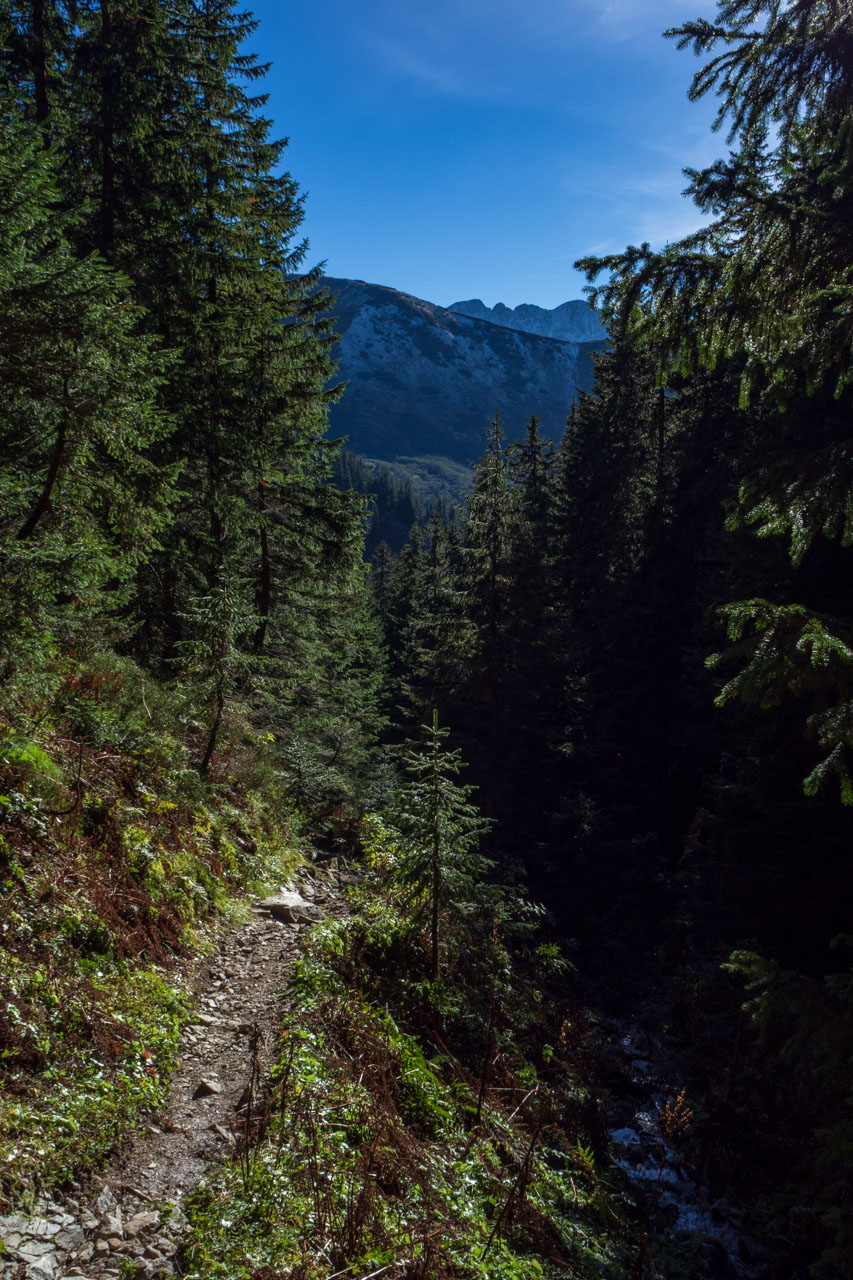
[[442, 831]]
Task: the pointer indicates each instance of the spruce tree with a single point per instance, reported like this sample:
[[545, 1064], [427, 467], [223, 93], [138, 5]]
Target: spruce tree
[[766, 283], [442, 829], [488, 519], [82, 503]]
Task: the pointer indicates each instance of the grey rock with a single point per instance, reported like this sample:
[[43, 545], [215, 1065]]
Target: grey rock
[[35, 1248], [206, 1088], [132, 1249], [13, 1222], [46, 1268], [111, 1225], [290, 907], [141, 1222], [42, 1228], [106, 1200], [70, 1238]]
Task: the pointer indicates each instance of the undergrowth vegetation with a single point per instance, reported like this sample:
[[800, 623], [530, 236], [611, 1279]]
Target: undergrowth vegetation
[[414, 1127], [115, 862]]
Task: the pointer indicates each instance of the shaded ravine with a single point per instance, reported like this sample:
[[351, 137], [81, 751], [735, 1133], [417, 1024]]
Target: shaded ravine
[[673, 1200], [132, 1214]]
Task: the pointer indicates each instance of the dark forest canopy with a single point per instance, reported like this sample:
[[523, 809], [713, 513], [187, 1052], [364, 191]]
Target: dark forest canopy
[[640, 636]]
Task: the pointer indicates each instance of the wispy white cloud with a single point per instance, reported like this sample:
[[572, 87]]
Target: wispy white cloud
[[422, 65], [489, 49], [512, 50], [625, 19], [646, 206]]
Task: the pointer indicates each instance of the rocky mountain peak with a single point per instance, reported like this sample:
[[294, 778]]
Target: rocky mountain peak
[[574, 321]]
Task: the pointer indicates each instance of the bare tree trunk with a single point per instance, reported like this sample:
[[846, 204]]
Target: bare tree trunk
[[28, 527], [264, 592], [214, 730], [40, 67]]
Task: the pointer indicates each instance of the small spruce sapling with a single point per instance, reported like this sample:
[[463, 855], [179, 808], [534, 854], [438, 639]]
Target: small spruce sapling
[[216, 658], [442, 831]]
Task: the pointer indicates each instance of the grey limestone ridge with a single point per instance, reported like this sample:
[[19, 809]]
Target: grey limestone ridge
[[574, 321], [425, 380]]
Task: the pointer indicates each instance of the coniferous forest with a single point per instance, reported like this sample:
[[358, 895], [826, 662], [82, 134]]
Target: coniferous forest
[[584, 744]]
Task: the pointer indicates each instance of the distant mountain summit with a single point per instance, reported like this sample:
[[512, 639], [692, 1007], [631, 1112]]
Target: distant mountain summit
[[423, 380], [573, 321]]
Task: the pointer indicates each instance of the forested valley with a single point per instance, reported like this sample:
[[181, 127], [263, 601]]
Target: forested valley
[[579, 750]]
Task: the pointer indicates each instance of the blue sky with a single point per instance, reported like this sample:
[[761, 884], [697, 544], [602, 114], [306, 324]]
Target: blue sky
[[475, 148]]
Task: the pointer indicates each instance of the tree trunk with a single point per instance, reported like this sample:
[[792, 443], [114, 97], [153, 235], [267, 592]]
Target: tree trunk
[[40, 66], [436, 850], [214, 731], [107, 210], [28, 527], [263, 596]]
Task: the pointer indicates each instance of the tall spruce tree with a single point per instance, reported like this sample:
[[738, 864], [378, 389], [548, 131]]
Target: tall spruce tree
[[767, 282], [82, 503], [489, 515]]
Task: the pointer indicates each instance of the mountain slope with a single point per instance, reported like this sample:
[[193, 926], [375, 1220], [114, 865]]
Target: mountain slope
[[574, 321], [425, 380]]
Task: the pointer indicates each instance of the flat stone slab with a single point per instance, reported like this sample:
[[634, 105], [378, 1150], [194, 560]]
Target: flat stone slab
[[290, 907]]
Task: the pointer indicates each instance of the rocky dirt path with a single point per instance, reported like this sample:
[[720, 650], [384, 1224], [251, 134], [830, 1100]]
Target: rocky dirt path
[[119, 1226]]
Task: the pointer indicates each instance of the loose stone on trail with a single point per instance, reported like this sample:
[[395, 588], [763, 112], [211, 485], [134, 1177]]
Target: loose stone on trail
[[206, 1088], [290, 907]]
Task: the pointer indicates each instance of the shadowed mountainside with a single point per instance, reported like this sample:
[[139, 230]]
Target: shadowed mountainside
[[424, 380]]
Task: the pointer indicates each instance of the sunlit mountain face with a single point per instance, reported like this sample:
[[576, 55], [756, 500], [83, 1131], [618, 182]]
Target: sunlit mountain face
[[425, 380]]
